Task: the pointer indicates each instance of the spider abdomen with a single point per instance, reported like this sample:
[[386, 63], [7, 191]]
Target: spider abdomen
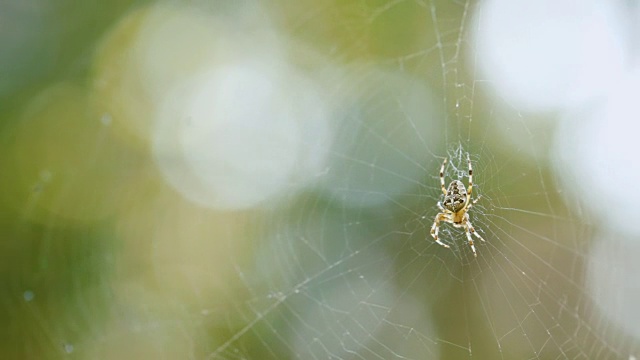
[[456, 196]]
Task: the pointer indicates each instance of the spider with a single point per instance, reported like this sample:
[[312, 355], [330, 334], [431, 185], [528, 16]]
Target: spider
[[457, 203]]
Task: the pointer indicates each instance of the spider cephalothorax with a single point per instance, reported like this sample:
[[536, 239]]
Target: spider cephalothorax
[[457, 202]]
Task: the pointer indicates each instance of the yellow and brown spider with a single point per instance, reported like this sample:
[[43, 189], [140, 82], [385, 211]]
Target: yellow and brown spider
[[457, 202]]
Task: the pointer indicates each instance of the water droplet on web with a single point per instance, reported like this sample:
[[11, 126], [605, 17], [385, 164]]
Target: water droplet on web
[[28, 295]]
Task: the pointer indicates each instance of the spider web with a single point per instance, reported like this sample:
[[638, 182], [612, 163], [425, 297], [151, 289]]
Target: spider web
[[356, 280], [340, 265]]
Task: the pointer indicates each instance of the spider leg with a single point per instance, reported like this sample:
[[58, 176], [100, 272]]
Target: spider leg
[[471, 229], [470, 188], [444, 190], [436, 227], [440, 207], [473, 248]]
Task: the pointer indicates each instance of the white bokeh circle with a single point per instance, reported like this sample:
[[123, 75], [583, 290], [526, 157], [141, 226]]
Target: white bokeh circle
[[548, 55], [596, 152], [234, 137]]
